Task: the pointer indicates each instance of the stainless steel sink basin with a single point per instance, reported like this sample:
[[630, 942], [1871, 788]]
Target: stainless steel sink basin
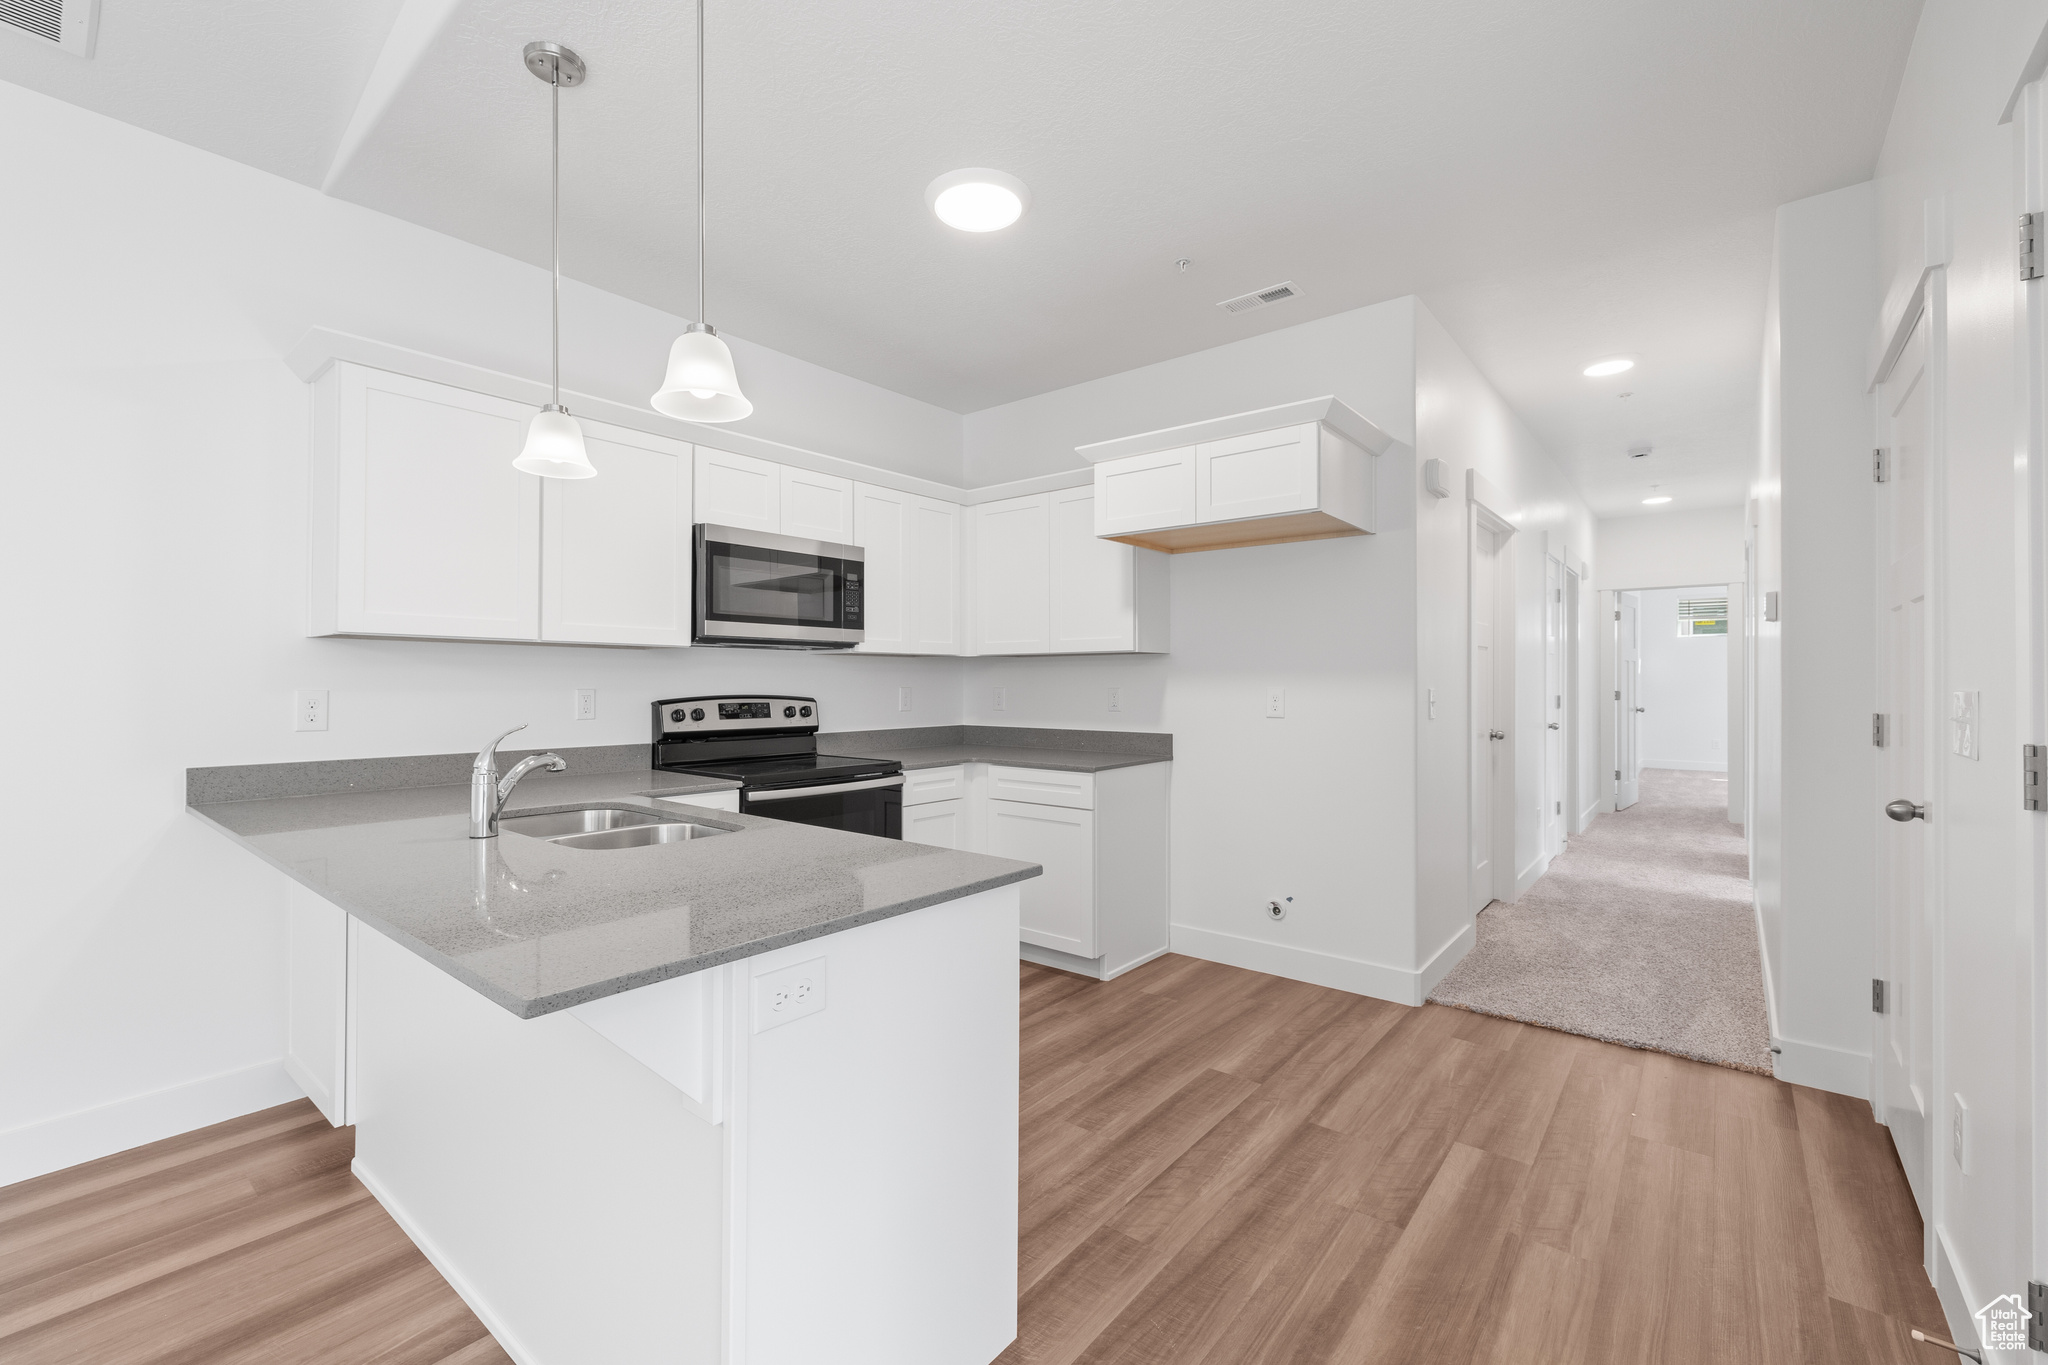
[[606, 827]]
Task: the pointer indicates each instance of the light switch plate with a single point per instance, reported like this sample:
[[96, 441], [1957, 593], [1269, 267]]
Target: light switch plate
[[1963, 710], [1002, 699], [902, 699], [309, 710], [1116, 699], [790, 993]]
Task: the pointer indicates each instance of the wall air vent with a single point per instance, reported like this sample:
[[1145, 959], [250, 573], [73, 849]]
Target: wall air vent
[[1258, 298], [62, 23]]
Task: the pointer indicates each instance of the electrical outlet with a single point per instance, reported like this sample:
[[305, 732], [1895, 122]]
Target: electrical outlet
[[1116, 700], [309, 710], [1959, 1135], [1276, 703], [1002, 699], [585, 707], [902, 699], [790, 993]]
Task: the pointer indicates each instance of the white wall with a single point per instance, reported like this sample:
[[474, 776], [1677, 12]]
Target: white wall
[[1684, 688], [155, 557], [1948, 160], [1671, 549], [1816, 664]]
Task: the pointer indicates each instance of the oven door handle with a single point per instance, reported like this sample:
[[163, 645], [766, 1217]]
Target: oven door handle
[[784, 793]]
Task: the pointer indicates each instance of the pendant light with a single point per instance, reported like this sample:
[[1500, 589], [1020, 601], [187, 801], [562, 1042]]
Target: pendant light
[[554, 443], [701, 385]]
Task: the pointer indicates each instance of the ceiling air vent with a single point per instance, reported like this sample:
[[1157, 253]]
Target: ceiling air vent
[[62, 23], [1258, 298]]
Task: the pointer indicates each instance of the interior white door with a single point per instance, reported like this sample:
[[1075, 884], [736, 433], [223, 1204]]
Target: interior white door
[[615, 550], [738, 490], [1553, 706], [1906, 946], [437, 534], [1628, 711], [816, 506], [1013, 575], [1094, 600], [1059, 904], [1489, 735]]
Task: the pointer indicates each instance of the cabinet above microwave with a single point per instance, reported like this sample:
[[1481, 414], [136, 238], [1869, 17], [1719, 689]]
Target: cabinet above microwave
[[1301, 471]]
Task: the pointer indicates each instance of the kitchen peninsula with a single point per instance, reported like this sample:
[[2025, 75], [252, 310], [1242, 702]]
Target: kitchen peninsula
[[745, 1094]]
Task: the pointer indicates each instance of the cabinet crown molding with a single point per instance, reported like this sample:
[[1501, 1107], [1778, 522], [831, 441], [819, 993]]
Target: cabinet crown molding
[[1343, 420]]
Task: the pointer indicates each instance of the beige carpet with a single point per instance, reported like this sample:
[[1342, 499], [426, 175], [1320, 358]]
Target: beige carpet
[[1641, 933]]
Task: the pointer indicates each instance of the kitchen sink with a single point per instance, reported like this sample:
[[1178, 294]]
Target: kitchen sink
[[607, 828]]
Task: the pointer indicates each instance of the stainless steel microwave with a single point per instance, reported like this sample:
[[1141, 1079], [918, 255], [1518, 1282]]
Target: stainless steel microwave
[[775, 592]]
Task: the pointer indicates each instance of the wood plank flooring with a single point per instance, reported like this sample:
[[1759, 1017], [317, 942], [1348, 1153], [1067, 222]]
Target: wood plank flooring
[[1219, 1168], [242, 1243], [1225, 1168]]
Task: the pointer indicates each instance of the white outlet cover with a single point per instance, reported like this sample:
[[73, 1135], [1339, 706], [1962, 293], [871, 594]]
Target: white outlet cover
[[1276, 703], [902, 699], [583, 706], [1002, 699], [1116, 699], [789, 993], [309, 710]]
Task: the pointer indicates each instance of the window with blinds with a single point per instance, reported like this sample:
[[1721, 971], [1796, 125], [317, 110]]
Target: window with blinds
[[1703, 616]]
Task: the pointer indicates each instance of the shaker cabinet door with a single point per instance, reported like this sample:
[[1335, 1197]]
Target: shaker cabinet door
[[1058, 905], [1261, 475], [1094, 604], [616, 549], [738, 490], [1013, 575]]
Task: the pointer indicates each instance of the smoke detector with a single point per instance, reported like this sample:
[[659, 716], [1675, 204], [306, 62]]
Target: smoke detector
[[1243, 303], [1640, 449], [66, 24]]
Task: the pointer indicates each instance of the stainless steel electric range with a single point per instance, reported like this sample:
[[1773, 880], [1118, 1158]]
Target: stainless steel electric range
[[769, 745]]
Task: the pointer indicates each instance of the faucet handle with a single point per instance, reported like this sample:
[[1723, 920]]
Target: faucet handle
[[486, 757]]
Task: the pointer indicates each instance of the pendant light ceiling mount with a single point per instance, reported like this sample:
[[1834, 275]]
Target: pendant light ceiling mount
[[554, 442]]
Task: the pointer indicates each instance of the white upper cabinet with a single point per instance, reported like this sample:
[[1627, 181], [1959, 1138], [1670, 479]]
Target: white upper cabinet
[[1266, 474], [879, 528], [1096, 606], [420, 524], [1145, 492], [738, 490], [1301, 471], [912, 564], [616, 549], [815, 506], [1013, 576]]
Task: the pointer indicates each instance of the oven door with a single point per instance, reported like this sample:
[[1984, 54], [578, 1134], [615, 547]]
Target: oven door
[[753, 588], [871, 806]]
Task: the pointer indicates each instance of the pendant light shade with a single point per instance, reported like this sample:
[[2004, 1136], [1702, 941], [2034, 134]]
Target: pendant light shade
[[554, 447], [701, 385]]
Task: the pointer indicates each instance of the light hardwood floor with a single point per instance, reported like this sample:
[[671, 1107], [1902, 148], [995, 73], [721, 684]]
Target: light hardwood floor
[[1219, 1168]]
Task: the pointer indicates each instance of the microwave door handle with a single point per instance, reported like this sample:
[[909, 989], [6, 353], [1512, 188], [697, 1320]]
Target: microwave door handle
[[785, 793]]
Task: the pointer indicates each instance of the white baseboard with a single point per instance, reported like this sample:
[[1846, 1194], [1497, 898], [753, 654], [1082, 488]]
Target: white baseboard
[[478, 1305], [1827, 1068], [53, 1144], [1763, 955], [1082, 966], [1586, 815], [1685, 765], [1530, 875], [1356, 975], [1956, 1298], [1446, 958]]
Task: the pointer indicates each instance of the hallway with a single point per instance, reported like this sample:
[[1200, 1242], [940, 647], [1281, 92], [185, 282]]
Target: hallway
[[1641, 933]]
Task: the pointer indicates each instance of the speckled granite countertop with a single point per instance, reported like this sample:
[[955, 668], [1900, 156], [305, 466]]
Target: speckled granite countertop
[[538, 927], [941, 746]]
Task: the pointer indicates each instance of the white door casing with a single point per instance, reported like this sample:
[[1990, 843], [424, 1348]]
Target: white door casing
[[1490, 702], [1628, 676], [1554, 750]]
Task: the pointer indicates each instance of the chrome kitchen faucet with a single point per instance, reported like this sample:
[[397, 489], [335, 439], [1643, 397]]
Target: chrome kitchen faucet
[[487, 792]]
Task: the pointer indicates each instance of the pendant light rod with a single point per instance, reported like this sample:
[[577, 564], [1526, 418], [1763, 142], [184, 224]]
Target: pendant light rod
[[702, 314], [555, 231], [554, 442]]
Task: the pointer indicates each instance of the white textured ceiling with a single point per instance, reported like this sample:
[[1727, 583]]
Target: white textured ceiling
[[1558, 179]]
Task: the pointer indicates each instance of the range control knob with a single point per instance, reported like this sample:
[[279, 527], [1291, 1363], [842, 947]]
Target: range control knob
[[806, 710], [788, 711], [677, 714], [696, 713]]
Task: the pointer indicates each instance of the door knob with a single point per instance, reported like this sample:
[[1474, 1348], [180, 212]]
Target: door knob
[[1553, 725], [1903, 811], [1496, 734], [1642, 708]]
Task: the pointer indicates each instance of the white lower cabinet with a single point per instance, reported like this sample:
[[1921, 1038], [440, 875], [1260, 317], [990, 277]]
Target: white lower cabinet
[[942, 824], [1059, 906]]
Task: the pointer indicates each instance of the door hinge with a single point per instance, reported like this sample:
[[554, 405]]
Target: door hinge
[[1560, 808], [1617, 774], [1877, 466], [2037, 1316], [1617, 616], [1617, 694], [1877, 729], [1876, 995], [2030, 246], [2033, 776], [1770, 606]]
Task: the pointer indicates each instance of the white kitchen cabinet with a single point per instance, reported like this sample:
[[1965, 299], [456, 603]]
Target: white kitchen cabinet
[[1145, 492], [420, 525], [1013, 575], [1059, 905], [738, 490], [1265, 474], [317, 1023], [922, 785], [912, 564], [616, 549], [816, 506], [943, 824], [1106, 597]]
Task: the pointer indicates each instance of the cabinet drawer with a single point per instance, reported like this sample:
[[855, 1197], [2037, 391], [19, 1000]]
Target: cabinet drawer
[[942, 824], [934, 784], [1042, 786]]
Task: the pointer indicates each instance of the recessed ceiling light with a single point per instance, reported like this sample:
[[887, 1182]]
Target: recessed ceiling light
[[1652, 502], [977, 199], [1600, 369]]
